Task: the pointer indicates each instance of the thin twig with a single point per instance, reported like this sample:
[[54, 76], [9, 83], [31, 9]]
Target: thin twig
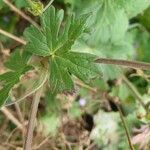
[[42, 143], [20, 116], [125, 63], [9, 145], [21, 119], [12, 36], [78, 83], [19, 113], [31, 124], [22, 14], [48, 5], [125, 126], [11, 134], [135, 91], [9, 115]]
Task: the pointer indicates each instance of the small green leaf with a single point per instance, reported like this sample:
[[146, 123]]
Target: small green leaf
[[17, 64], [16, 61]]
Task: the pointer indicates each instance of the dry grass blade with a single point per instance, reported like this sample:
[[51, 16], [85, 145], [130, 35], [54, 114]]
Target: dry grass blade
[[13, 37], [9, 115]]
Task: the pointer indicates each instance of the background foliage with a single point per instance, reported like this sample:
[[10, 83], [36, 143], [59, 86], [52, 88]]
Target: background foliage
[[86, 117]]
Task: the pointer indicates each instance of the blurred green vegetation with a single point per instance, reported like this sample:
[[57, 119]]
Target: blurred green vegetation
[[116, 29]]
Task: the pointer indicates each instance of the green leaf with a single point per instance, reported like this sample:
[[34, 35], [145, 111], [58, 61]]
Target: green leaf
[[59, 79], [38, 46], [111, 22], [79, 64], [112, 19], [55, 43], [17, 64], [4, 93], [31, 86], [143, 39], [103, 132], [134, 7], [52, 38], [17, 61]]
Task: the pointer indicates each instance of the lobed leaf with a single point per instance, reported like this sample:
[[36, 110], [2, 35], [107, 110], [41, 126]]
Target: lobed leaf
[[54, 41]]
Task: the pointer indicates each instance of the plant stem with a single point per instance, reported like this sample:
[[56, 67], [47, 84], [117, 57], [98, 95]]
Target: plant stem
[[42, 143], [125, 63], [81, 84], [11, 117], [125, 126], [12, 37], [46, 7], [31, 124], [18, 110]]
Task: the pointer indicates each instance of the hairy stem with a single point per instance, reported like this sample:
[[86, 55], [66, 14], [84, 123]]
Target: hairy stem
[[125, 126], [125, 63], [32, 119]]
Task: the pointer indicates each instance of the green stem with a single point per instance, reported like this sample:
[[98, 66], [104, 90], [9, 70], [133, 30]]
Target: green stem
[[125, 127]]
